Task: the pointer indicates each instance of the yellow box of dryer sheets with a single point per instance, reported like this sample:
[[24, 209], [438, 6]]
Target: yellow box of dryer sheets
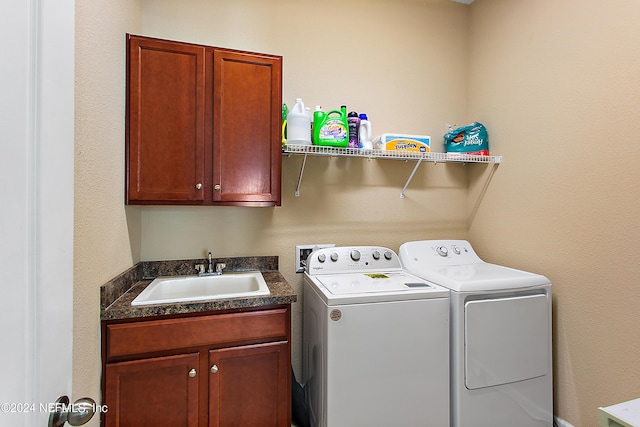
[[397, 141]]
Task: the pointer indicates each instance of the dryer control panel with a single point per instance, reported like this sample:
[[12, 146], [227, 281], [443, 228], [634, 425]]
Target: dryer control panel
[[439, 253], [351, 259]]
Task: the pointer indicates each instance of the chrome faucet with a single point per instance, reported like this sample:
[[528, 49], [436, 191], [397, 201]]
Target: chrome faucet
[[210, 269]]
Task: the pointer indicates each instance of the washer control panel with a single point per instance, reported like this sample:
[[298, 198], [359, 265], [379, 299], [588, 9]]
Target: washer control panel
[[351, 259]]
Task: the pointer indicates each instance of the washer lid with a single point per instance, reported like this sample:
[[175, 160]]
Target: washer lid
[[357, 283], [376, 287]]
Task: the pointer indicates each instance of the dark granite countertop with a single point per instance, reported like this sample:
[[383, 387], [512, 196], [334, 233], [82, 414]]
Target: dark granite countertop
[[117, 294]]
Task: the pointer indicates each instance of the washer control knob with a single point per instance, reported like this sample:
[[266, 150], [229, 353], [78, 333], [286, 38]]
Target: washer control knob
[[334, 256], [456, 250], [355, 255], [322, 257], [442, 251], [388, 255], [376, 255]]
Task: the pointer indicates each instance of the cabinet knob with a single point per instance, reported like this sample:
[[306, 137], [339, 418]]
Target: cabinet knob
[[214, 369], [216, 187], [199, 186], [192, 373]]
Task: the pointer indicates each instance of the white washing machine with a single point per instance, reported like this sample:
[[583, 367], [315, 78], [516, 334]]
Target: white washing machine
[[375, 341], [501, 372]]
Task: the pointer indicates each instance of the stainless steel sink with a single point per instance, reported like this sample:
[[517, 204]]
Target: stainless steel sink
[[165, 290]]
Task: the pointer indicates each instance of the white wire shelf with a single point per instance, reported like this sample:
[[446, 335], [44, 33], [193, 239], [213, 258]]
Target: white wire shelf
[[317, 150]]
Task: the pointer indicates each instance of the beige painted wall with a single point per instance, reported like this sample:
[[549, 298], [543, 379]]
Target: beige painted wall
[[103, 247], [399, 80], [555, 82], [386, 60], [558, 84]]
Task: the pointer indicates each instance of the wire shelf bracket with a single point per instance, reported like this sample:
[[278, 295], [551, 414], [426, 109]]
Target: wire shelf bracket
[[317, 150]]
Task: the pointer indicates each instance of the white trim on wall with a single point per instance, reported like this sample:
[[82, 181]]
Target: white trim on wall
[[561, 423]]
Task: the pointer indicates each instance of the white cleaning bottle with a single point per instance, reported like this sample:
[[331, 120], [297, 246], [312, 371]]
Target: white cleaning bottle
[[365, 135], [298, 125]]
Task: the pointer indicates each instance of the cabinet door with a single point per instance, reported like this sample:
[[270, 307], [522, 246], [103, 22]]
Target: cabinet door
[[154, 392], [165, 136], [247, 116], [250, 386]]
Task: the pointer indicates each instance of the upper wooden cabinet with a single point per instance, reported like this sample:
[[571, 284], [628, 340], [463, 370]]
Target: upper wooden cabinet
[[166, 134], [203, 125]]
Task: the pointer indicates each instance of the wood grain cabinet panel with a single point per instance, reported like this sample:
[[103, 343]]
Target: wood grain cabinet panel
[[206, 370], [249, 386], [203, 125], [160, 391], [135, 338], [166, 134], [247, 116]]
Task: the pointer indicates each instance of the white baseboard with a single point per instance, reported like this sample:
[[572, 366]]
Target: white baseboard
[[562, 423]]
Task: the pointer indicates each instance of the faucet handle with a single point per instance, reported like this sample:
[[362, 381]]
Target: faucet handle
[[220, 266], [200, 268]]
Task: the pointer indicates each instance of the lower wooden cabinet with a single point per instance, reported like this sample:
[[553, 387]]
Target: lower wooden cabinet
[[161, 391], [249, 386], [181, 381]]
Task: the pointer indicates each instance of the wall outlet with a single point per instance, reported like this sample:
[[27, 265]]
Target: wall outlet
[[303, 251]]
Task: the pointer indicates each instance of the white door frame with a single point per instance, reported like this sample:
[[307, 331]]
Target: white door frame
[[36, 220]]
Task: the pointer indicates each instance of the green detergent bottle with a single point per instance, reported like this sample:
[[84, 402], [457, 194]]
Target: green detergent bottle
[[331, 129], [285, 113]]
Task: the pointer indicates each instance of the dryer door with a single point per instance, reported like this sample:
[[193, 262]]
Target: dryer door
[[506, 340]]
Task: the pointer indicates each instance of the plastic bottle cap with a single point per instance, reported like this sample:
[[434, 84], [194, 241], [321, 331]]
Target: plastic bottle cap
[[363, 116]]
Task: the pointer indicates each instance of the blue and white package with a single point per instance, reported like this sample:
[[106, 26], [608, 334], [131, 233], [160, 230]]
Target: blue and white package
[[471, 139]]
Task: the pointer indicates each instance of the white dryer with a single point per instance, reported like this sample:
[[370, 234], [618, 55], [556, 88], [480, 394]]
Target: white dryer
[[375, 341], [501, 368]]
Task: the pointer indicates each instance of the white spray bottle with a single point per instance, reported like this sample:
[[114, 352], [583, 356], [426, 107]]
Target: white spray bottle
[[364, 134]]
